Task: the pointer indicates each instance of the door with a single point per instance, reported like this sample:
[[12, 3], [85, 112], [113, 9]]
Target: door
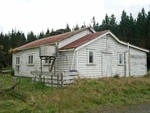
[[106, 65]]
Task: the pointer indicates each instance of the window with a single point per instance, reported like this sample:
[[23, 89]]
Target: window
[[30, 61], [17, 60], [90, 57], [120, 58]]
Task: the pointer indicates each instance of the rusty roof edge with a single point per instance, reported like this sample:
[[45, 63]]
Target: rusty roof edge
[[92, 40], [16, 49], [80, 30]]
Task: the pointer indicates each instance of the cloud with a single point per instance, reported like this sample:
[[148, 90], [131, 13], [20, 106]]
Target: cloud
[[38, 15]]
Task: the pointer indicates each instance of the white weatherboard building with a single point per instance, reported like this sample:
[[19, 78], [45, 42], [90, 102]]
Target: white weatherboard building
[[92, 54]]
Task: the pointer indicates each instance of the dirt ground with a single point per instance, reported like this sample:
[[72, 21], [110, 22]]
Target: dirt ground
[[140, 108]]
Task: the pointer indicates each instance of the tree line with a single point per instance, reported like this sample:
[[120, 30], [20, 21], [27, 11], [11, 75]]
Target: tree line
[[129, 29]]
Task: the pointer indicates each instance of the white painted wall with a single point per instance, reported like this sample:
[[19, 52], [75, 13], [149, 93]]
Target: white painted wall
[[108, 44], [138, 62], [25, 68], [63, 62]]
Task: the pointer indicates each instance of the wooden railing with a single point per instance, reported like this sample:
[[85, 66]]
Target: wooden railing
[[53, 80]]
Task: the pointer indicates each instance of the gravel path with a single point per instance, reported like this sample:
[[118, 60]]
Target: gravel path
[[140, 108]]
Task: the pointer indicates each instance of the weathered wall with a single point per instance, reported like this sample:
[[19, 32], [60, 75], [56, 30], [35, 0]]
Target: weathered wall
[[62, 64], [108, 44], [138, 62], [25, 68]]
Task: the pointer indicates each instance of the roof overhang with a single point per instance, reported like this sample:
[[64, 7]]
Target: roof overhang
[[17, 49], [121, 42]]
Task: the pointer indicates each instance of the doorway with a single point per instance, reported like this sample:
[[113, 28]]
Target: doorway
[[106, 65]]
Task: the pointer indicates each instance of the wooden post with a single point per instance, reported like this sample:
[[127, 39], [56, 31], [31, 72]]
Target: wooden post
[[57, 80], [62, 80], [19, 83], [14, 82], [43, 83], [52, 81]]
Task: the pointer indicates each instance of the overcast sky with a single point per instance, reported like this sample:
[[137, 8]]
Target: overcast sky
[[38, 15]]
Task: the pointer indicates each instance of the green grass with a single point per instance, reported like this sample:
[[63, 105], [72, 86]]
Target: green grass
[[84, 95]]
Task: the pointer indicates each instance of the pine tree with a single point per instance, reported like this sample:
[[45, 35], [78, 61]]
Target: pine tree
[[2, 57], [31, 37], [76, 27], [140, 28], [67, 29], [124, 26], [113, 24], [41, 35]]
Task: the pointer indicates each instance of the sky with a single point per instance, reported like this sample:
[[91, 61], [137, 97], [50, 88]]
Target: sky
[[40, 15]]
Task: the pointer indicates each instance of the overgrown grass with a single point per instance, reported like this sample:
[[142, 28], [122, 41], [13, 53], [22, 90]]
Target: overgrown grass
[[84, 95], [148, 74]]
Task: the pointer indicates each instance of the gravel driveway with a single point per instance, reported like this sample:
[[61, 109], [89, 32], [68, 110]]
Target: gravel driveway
[[140, 108]]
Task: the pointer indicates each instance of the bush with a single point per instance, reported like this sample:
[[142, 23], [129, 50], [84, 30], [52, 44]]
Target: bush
[[12, 73], [116, 76]]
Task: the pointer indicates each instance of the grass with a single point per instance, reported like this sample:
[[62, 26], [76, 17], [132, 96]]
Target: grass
[[81, 97]]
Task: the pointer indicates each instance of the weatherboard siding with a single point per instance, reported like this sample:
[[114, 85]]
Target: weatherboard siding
[[106, 44], [64, 62], [91, 71], [25, 67], [73, 38], [138, 62]]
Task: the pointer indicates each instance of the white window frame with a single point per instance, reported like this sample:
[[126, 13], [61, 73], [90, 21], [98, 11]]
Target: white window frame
[[30, 59], [89, 56], [18, 60], [120, 58]]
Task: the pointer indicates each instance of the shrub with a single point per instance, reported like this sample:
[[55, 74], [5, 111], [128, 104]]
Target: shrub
[[12, 73], [117, 76]]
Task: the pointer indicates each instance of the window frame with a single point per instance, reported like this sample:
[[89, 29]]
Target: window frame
[[93, 58], [18, 60], [121, 58], [30, 59]]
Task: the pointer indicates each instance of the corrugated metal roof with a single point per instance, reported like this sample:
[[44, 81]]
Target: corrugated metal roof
[[48, 40], [83, 40]]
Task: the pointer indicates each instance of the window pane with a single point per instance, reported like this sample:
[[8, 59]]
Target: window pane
[[90, 56], [120, 58], [29, 60], [17, 60]]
